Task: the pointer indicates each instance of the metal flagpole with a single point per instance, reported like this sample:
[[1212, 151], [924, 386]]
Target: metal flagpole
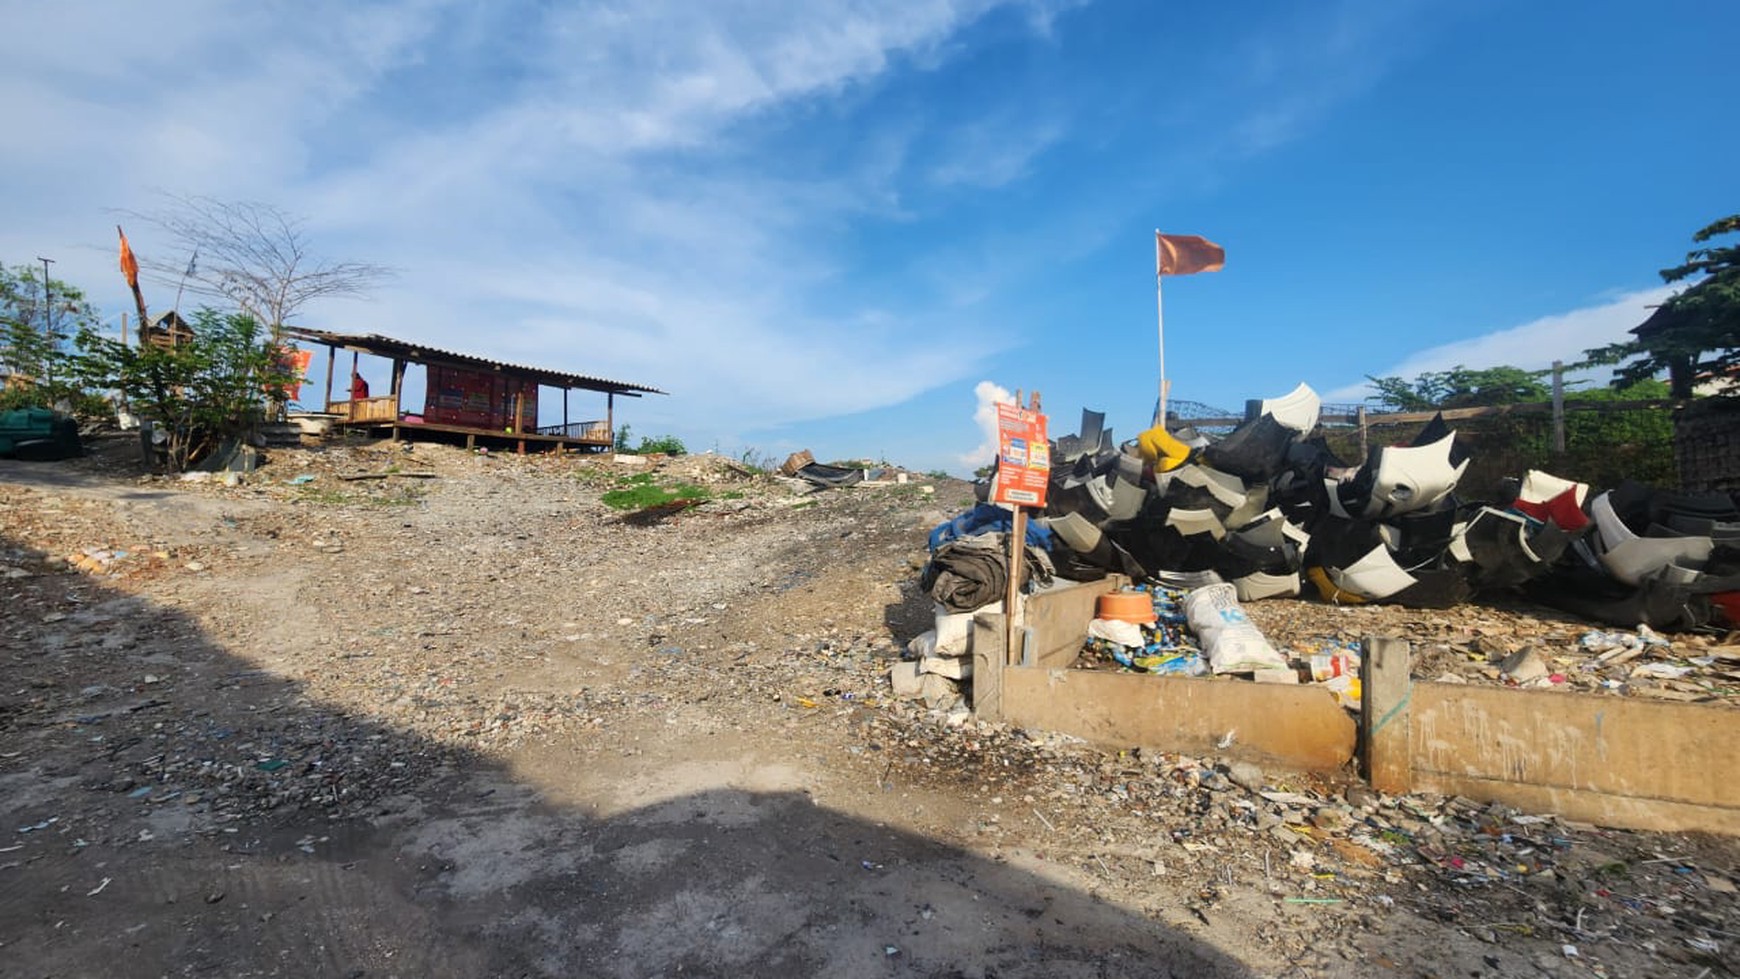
[[1160, 323]]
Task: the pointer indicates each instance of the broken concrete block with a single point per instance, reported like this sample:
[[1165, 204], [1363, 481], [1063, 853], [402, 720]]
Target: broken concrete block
[[938, 691], [952, 667], [1245, 775], [905, 678], [923, 645], [1524, 665]]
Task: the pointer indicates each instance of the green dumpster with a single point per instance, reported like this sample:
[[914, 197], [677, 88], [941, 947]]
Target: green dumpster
[[39, 435]]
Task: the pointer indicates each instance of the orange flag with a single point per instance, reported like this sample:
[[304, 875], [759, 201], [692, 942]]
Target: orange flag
[[1187, 254], [129, 264]]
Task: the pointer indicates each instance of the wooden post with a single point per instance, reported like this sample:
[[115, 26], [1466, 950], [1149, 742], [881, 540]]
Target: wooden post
[[565, 412], [1558, 407], [1017, 550], [1359, 417], [1384, 725], [331, 357], [123, 329], [610, 415], [1012, 595]]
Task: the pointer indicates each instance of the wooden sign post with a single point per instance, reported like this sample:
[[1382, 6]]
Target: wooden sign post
[[1023, 472]]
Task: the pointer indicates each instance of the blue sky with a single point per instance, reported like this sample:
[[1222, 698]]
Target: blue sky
[[825, 223]]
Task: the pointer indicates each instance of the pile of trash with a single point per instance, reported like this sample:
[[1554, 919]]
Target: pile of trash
[[1271, 511], [1205, 631]]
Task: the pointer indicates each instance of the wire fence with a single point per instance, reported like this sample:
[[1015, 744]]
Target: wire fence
[[1601, 443]]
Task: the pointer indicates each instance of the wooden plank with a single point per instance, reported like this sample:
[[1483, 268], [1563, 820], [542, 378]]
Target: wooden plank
[[1298, 727], [1385, 688], [1600, 758], [412, 429], [1059, 619], [1012, 586]]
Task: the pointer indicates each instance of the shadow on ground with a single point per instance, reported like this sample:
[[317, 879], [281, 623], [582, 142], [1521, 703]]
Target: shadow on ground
[[171, 808]]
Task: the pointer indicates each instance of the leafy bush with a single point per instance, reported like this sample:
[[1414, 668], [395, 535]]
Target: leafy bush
[[666, 444], [202, 392], [34, 326]]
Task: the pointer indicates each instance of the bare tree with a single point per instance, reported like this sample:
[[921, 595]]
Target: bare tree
[[253, 255]]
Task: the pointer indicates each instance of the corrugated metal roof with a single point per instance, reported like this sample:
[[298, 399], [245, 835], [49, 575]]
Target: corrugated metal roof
[[422, 353]]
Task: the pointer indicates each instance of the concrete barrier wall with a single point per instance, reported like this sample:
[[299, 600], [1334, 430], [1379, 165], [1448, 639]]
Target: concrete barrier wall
[[1609, 760]]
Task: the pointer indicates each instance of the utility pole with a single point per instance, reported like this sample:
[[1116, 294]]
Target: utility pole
[[48, 325]]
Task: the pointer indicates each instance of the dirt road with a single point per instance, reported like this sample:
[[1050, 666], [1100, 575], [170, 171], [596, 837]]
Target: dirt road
[[479, 725]]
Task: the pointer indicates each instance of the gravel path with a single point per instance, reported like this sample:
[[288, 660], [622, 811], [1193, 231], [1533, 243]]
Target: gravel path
[[479, 724]]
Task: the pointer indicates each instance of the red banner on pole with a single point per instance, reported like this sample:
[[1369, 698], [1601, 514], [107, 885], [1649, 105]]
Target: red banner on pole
[[1024, 457]]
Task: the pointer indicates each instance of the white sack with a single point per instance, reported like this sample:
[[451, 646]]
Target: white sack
[[1229, 640]]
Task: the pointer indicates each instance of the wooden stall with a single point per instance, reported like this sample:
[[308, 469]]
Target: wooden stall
[[468, 398]]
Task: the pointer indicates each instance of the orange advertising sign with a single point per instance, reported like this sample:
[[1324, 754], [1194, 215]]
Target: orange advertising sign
[[1023, 456], [293, 361]]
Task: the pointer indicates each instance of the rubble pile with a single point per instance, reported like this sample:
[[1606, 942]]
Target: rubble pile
[[1270, 511], [1342, 850]]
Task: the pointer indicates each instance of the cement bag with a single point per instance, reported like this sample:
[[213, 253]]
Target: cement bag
[[922, 646], [954, 630], [1229, 640]]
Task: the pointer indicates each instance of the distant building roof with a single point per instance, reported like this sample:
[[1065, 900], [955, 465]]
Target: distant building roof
[[421, 353]]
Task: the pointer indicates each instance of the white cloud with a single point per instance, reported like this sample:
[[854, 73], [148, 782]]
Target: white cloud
[[989, 395], [1533, 345], [600, 187], [602, 214], [993, 152]]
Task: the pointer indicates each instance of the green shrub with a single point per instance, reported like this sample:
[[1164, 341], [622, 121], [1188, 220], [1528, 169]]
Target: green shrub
[[642, 491], [664, 444]]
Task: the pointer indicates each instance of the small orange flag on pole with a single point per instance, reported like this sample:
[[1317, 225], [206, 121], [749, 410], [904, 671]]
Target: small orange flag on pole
[[1178, 255], [129, 262], [1187, 254], [130, 269]]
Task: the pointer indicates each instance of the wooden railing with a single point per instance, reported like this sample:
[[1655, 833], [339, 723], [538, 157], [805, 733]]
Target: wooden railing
[[588, 431], [384, 409]]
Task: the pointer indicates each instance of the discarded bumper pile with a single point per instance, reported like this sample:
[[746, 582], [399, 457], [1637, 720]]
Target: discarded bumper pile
[[1270, 509]]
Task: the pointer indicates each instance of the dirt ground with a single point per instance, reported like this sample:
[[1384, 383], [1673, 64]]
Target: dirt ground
[[479, 724]]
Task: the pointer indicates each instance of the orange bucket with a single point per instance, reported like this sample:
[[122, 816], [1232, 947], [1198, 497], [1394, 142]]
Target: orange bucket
[[1129, 606]]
